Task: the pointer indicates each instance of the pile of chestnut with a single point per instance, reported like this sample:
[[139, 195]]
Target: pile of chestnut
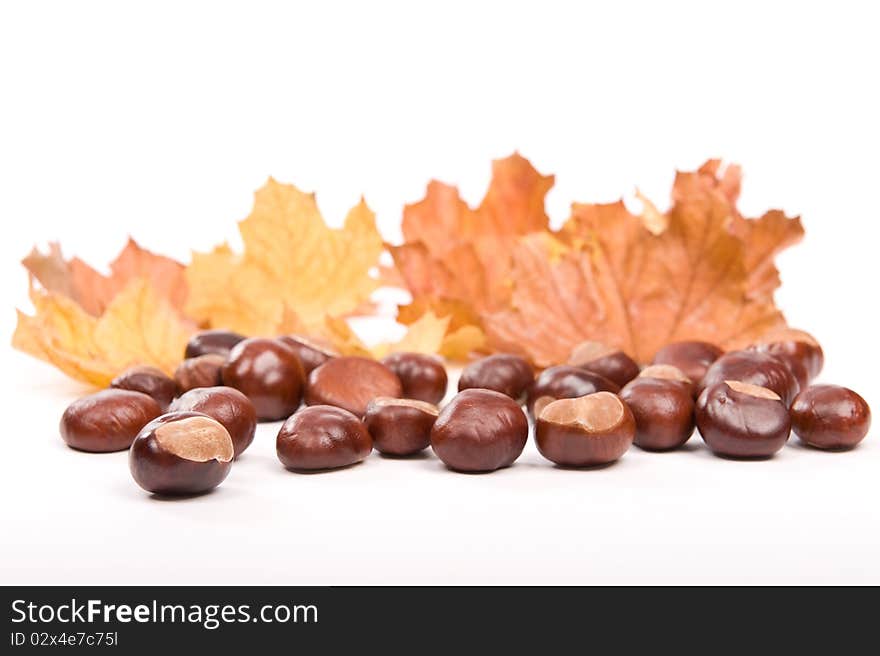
[[183, 433]]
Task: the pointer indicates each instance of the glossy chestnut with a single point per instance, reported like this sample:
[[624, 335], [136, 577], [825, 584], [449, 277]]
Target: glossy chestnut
[[761, 369], [423, 376], [604, 360], [322, 437], [108, 420], [565, 382], [312, 353], [148, 380], [692, 357], [181, 453], [227, 405], [669, 373], [663, 409], [590, 430], [200, 371], [269, 373], [830, 417], [351, 382], [211, 341], [741, 420], [792, 345], [400, 427], [508, 374], [480, 430]]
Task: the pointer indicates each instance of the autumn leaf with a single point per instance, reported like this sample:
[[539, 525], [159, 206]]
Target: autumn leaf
[[93, 291], [294, 271], [138, 326], [456, 258], [637, 282]]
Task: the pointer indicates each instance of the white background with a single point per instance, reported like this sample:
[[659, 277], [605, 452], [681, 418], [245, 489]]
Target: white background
[[160, 120]]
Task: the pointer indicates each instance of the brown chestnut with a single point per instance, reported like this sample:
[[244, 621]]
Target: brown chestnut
[[400, 427], [742, 420], [604, 360], [423, 376], [663, 409], [268, 373], [211, 341], [108, 420], [322, 437], [508, 374], [830, 417], [312, 353], [226, 405], [200, 371], [565, 382], [590, 430], [151, 381], [181, 453], [795, 346], [480, 430], [669, 373], [761, 369], [692, 357], [351, 382]]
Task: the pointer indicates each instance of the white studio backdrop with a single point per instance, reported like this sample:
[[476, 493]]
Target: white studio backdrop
[[159, 120]]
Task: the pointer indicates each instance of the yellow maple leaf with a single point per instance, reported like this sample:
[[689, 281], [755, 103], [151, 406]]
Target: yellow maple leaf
[[293, 265], [138, 327]]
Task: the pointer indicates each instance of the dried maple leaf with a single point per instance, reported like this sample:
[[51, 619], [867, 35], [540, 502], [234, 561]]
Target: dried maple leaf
[[294, 271], [701, 271], [94, 291], [138, 326], [456, 259]]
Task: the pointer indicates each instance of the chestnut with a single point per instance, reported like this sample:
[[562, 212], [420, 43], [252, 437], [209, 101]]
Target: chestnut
[[312, 353], [669, 373], [322, 437], [761, 369], [742, 420], [590, 430], [663, 409], [108, 420], [794, 346], [830, 417], [423, 376], [200, 371], [508, 374], [692, 357], [226, 405], [268, 373], [181, 453], [211, 341], [565, 382], [151, 381], [351, 382], [480, 430], [400, 427], [604, 360]]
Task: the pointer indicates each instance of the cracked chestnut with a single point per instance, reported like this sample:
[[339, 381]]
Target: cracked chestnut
[[830, 417], [226, 405], [400, 427], [423, 376], [268, 373], [507, 374], [181, 453], [322, 437], [742, 420], [565, 382], [586, 431], [480, 430], [351, 382], [604, 360], [108, 420]]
